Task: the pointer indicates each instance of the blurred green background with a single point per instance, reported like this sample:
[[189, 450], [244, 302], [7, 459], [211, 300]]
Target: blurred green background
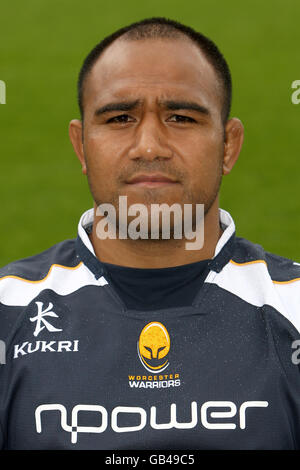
[[42, 46]]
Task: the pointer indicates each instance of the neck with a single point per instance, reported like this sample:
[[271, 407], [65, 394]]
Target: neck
[[157, 253]]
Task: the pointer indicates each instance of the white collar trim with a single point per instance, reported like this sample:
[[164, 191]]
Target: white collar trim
[[87, 218]]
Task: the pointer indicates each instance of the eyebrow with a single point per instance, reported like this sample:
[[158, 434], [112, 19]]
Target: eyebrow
[[168, 104], [121, 106], [188, 105]]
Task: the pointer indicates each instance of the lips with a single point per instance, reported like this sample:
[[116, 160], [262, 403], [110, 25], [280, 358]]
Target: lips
[[149, 179]]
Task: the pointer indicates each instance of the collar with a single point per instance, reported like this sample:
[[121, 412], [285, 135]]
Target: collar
[[223, 250]]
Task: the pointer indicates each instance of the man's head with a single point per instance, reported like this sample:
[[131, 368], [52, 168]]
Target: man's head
[[155, 100], [162, 28]]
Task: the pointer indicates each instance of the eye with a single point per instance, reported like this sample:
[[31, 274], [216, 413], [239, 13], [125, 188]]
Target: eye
[[180, 118], [122, 118]]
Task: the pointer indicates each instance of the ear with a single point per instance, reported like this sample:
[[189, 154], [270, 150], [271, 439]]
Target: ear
[[75, 133], [234, 137]]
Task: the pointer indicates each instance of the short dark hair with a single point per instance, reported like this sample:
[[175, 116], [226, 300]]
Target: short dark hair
[[159, 27]]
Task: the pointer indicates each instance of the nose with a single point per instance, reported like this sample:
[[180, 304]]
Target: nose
[[150, 141]]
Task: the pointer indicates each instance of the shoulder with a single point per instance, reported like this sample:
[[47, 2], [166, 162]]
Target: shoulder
[[264, 280], [279, 269], [35, 268], [22, 280]]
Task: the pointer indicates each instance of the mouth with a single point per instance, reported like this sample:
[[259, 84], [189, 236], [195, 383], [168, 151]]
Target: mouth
[[151, 180]]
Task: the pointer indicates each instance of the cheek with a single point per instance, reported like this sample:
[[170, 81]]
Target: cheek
[[103, 142], [206, 160], [101, 158]]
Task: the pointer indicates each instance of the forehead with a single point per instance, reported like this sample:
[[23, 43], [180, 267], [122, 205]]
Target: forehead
[[154, 68]]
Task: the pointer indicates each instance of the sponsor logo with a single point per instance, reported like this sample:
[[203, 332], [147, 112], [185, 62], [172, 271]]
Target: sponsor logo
[[45, 346], [153, 347], [202, 414], [154, 381], [41, 323]]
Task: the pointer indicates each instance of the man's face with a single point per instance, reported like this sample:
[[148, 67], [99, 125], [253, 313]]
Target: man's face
[[139, 122]]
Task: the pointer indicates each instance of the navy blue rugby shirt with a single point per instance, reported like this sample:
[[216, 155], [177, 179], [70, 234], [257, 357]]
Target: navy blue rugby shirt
[[148, 289], [87, 367]]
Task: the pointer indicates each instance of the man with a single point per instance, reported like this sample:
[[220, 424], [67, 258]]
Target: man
[[119, 342]]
